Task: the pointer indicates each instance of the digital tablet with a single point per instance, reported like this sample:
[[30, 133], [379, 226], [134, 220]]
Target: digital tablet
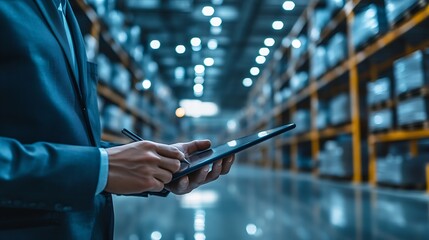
[[200, 159]]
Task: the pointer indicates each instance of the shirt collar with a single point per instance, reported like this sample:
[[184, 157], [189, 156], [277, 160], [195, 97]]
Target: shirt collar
[[61, 5]]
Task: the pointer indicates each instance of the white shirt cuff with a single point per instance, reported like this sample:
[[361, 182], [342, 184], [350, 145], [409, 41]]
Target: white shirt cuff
[[104, 171]]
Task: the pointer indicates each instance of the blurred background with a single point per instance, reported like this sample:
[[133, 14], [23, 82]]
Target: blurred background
[[352, 74]]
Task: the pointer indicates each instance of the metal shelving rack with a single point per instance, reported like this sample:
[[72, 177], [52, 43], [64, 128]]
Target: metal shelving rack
[[349, 69], [90, 23]]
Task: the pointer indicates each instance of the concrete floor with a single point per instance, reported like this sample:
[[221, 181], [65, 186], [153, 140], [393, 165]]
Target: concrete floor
[[252, 203]]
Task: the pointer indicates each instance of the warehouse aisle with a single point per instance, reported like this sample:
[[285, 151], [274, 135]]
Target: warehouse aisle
[[253, 203]]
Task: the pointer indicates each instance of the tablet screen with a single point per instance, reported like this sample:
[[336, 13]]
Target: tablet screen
[[200, 159]]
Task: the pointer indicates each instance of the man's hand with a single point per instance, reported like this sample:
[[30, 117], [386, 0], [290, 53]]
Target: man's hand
[[141, 167], [202, 176]]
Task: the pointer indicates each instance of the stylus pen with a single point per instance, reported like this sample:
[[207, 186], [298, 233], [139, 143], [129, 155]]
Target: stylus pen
[[137, 138]]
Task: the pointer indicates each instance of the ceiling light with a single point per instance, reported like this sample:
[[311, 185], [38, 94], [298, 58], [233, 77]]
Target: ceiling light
[[216, 21], [180, 49], [208, 11], [198, 88], [146, 84], [155, 44], [180, 112], [269, 42], [260, 59], [296, 43], [264, 51], [209, 62], [156, 235], [195, 42], [254, 71], [212, 44], [199, 69], [288, 5], [198, 80], [278, 25], [197, 108], [247, 82]]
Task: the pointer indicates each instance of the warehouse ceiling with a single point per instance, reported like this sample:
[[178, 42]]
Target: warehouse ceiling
[[245, 26]]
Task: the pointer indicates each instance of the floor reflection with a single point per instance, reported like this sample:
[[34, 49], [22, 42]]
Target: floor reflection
[[253, 203]]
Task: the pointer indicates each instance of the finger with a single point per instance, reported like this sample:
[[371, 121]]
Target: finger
[[198, 177], [172, 165], [157, 185], [226, 164], [169, 151], [215, 172], [162, 175], [196, 145]]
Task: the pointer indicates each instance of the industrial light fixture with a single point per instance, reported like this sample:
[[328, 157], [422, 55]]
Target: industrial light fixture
[[269, 42], [208, 11], [254, 71], [180, 112], [195, 41], [146, 84], [212, 44], [264, 51], [216, 21], [278, 25], [209, 62], [247, 82], [260, 59], [288, 5], [155, 44], [296, 43], [180, 49], [198, 80], [199, 69]]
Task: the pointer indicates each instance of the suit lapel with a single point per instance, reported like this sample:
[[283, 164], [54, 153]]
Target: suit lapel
[[53, 18], [79, 46]]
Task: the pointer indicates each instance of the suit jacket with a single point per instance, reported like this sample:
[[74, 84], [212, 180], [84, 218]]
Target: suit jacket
[[49, 129]]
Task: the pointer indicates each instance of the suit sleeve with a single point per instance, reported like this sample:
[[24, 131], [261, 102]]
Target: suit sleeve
[[47, 176]]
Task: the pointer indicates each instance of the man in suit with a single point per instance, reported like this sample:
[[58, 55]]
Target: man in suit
[[56, 180]]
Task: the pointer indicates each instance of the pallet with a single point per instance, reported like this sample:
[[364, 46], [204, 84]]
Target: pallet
[[382, 105], [407, 14], [402, 186], [415, 126], [419, 92], [336, 178]]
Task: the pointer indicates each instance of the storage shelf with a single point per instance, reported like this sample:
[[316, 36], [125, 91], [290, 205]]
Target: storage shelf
[[398, 135], [115, 138], [335, 131], [117, 99], [394, 34]]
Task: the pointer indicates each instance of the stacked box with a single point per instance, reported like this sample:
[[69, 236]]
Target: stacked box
[[369, 23], [414, 110], [121, 79], [336, 49], [339, 109], [303, 121], [379, 90], [112, 116], [335, 5], [299, 81], [381, 120], [401, 169], [411, 72], [395, 9], [320, 19], [319, 62], [336, 158]]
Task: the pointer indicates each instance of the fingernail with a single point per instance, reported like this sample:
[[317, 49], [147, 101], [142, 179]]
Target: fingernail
[[206, 169]]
